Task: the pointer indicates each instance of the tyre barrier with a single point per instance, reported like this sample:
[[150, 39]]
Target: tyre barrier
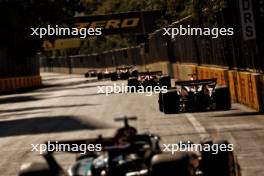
[[10, 84]]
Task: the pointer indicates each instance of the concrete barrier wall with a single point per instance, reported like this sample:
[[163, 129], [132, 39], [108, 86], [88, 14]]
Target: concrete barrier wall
[[14, 83]]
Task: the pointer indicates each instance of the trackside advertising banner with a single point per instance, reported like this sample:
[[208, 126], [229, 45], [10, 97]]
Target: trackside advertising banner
[[132, 22]]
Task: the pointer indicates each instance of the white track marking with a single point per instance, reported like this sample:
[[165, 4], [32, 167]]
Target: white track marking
[[199, 128]]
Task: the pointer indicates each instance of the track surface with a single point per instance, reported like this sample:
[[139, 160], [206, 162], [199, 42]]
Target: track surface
[[71, 108]]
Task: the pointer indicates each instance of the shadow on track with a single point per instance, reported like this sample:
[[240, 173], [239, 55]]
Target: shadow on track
[[20, 99], [49, 124], [44, 107], [75, 95]]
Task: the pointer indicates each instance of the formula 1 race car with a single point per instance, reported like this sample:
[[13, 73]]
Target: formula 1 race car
[[121, 73], [90, 73], [151, 79], [195, 95], [131, 154], [104, 75]]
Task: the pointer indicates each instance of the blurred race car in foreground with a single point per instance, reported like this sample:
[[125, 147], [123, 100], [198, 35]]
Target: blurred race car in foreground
[[131, 154], [151, 79], [195, 95]]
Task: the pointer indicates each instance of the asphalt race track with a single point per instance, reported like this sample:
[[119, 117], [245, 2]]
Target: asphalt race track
[[71, 108]]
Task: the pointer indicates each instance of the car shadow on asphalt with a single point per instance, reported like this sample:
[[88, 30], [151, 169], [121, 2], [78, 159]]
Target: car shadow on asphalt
[[20, 99], [44, 107], [75, 95], [45, 124]]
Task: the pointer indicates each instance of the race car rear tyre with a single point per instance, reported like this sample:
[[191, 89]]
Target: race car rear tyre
[[218, 163], [86, 75], [114, 76], [124, 76], [165, 81], [99, 76], [160, 102], [222, 98], [133, 84], [134, 73], [170, 102], [171, 165]]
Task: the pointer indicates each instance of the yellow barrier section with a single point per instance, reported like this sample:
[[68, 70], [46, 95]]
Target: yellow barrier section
[[243, 82], [232, 79], [159, 66], [254, 91], [261, 92], [209, 72], [8, 84], [183, 71], [248, 89]]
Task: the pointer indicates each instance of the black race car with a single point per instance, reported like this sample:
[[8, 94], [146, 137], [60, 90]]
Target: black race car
[[131, 154], [150, 79], [121, 73], [195, 95], [90, 73], [104, 75]]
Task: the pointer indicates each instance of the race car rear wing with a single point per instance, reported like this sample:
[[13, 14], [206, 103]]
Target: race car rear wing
[[197, 82]]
